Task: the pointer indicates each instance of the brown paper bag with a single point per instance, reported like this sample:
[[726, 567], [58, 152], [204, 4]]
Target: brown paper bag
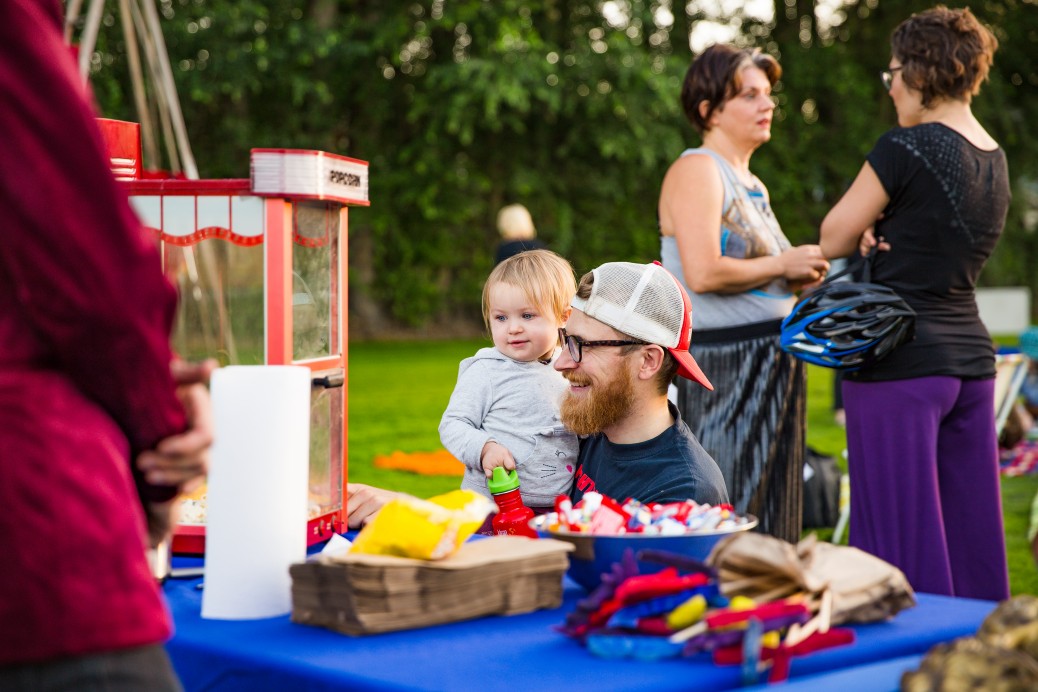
[[862, 587]]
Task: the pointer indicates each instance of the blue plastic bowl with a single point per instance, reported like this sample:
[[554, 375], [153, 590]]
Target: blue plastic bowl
[[594, 555]]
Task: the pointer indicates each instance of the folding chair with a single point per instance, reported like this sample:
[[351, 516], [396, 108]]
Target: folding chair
[[1010, 373]]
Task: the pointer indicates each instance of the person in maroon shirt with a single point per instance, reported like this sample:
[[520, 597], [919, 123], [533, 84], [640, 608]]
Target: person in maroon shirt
[[85, 388]]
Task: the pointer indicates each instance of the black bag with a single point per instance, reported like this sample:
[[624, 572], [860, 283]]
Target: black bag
[[821, 490]]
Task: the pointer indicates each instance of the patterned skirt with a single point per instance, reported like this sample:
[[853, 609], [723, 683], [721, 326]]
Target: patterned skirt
[[753, 423]]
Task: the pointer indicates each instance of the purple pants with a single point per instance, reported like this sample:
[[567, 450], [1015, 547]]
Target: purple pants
[[925, 492]]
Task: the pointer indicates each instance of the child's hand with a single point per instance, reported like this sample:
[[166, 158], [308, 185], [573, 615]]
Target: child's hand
[[495, 455]]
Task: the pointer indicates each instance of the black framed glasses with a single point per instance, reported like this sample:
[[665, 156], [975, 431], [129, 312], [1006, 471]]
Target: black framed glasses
[[887, 76], [576, 345]]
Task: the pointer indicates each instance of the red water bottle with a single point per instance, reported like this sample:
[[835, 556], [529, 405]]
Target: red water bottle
[[513, 517]]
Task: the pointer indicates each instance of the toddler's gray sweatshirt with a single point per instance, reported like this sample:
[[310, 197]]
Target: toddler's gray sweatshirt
[[515, 404]]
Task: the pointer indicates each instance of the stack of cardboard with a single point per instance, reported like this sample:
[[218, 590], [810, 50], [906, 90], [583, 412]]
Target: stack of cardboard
[[364, 594]]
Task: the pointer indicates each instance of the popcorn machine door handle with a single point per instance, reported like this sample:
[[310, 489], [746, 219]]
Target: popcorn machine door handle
[[335, 379]]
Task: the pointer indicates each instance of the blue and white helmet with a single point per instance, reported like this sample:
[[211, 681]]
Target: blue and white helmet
[[846, 325]]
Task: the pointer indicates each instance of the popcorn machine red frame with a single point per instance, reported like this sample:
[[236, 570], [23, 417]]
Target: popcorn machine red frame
[[261, 267]]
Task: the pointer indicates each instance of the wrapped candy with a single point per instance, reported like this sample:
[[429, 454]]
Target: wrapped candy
[[600, 515]]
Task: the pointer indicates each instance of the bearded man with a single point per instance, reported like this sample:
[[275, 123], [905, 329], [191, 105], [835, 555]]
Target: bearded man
[[626, 339]]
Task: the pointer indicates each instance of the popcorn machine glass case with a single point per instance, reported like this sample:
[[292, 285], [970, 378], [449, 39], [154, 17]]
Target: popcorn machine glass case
[[260, 266]]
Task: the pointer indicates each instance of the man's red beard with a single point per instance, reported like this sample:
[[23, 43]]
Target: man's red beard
[[603, 405]]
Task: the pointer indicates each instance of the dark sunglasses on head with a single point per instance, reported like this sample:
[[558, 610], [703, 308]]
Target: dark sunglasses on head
[[576, 345]]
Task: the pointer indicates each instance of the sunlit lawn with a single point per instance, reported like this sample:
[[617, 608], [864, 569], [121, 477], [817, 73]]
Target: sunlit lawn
[[398, 390]]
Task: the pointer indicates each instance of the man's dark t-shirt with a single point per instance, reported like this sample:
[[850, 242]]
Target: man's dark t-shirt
[[671, 467]]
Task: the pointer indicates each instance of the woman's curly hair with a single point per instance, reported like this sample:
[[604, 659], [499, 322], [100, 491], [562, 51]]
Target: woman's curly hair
[[944, 53]]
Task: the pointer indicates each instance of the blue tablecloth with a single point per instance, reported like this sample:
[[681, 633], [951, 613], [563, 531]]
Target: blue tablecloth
[[519, 652], [884, 676]]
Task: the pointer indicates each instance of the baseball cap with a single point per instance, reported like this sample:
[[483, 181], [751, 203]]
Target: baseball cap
[[646, 302]]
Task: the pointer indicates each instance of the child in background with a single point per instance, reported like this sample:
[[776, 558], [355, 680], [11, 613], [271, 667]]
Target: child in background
[[518, 233], [505, 407]]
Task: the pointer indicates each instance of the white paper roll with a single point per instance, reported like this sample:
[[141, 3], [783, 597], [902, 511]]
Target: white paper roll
[[257, 490]]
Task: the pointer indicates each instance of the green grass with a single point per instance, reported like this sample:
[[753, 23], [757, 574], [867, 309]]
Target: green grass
[[1017, 494], [398, 391]]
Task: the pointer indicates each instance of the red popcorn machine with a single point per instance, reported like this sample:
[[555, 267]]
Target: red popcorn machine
[[260, 266]]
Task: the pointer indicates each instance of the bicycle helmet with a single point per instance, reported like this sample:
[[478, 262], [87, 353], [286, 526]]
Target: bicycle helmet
[[846, 325]]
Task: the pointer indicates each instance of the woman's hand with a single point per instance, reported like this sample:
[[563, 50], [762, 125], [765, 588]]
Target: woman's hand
[[804, 265], [868, 241]]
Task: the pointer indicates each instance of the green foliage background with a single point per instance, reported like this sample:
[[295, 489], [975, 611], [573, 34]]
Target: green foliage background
[[464, 106]]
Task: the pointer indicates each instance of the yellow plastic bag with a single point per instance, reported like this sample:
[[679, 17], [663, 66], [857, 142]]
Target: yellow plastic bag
[[424, 529]]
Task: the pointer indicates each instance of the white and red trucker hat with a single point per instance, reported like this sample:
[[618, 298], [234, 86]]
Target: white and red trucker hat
[[646, 302]]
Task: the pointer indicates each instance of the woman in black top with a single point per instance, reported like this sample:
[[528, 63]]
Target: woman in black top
[[933, 194]]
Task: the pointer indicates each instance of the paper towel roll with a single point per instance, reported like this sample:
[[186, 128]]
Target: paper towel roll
[[257, 490]]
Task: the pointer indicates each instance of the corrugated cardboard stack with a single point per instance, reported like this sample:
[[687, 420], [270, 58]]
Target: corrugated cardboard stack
[[364, 594]]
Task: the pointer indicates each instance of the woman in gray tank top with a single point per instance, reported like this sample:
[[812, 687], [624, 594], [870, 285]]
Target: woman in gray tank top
[[721, 238]]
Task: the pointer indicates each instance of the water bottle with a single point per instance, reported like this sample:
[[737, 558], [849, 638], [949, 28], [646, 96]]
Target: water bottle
[[513, 517]]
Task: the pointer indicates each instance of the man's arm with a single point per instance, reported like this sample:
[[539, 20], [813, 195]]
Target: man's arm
[[364, 501]]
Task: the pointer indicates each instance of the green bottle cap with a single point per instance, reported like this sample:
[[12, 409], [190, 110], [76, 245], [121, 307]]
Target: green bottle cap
[[502, 481]]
